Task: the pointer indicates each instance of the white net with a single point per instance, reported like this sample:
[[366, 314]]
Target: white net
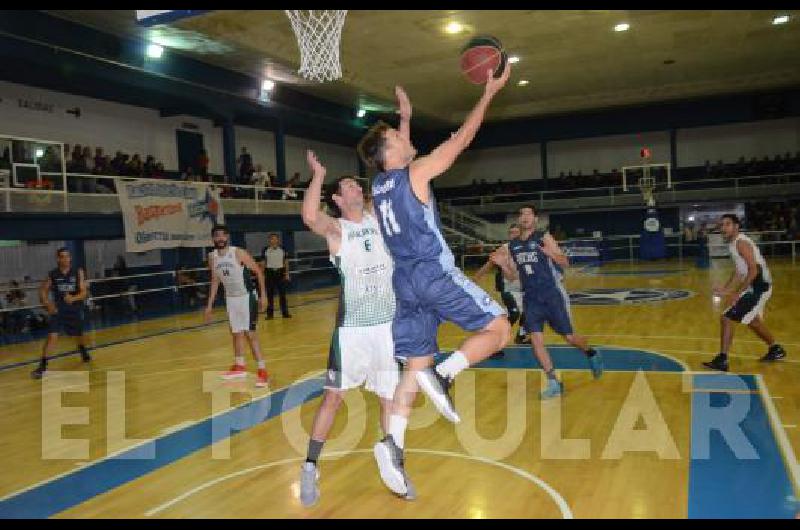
[[319, 34]]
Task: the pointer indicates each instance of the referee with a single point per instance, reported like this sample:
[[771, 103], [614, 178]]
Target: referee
[[276, 272]]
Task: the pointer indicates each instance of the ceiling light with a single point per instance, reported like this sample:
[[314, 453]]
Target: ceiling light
[[267, 85], [39, 152], [361, 113], [155, 51], [523, 82], [780, 19], [624, 26], [454, 27], [513, 59]]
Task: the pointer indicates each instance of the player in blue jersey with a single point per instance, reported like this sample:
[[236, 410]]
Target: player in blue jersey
[[537, 261], [429, 288]]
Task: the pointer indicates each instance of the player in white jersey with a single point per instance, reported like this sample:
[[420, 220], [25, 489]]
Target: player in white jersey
[[234, 267], [747, 291], [511, 290], [362, 348]]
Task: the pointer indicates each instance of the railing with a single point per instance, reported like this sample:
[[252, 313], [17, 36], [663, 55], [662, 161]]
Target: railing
[[467, 224], [733, 187], [97, 193], [135, 298], [626, 248]]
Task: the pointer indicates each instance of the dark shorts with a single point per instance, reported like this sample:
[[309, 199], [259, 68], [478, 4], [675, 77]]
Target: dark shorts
[[750, 305], [427, 295], [67, 323], [551, 307]]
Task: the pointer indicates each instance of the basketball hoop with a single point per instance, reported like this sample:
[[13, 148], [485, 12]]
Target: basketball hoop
[[319, 35], [648, 185]]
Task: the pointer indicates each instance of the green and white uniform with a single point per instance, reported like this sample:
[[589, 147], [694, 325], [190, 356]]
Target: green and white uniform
[[362, 348], [240, 294]]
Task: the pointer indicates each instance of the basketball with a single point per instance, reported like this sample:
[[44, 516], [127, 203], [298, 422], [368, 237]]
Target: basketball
[[481, 54]]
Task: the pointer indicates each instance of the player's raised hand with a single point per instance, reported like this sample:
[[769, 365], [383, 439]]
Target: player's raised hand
[[494, 85], [403, 103], [314, 164], [499, 256]]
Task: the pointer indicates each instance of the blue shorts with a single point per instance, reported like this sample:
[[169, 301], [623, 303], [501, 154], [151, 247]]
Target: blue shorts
[[428, 295], [551, 306], [66, 322]]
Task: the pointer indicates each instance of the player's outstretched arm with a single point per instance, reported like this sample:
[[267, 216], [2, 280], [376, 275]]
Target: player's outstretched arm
[[44, 298], [489, 265], [83, 290], [502, 258], [212, 292], [426, 168], [404, 110]]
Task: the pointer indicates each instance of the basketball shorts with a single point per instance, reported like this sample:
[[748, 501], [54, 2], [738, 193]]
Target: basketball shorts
[[750, 305], [363, 356], [552, 307], [428, 295], [513, 302], [242, 312], [68, 323]]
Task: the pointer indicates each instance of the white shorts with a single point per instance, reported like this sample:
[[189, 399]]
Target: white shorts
[[363, 356], [517, 298], [242, 312]]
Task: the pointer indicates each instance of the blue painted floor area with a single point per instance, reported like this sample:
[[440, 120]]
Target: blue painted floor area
[[570, 358], [104, 475], [741, 474]]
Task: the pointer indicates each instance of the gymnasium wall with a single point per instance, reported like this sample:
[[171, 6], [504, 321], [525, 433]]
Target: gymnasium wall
[[339, 160], [604, 153], [729, 142], [260, 144], [518, 162], [112, 126]]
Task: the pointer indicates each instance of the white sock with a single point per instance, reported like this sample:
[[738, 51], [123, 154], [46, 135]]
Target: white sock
[[239, 361], [453, 365], [397, 428], [262, 364]]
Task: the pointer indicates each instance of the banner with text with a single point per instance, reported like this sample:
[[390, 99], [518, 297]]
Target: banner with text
[[168, 214]]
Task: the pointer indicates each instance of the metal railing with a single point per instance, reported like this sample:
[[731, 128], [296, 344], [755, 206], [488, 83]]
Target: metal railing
[[731, 187], [81, 192]]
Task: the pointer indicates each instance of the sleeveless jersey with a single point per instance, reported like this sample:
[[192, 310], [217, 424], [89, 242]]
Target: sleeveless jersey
[[411, 230], [235, 277], [61, 284], [365, 267], [764, 275], [537, 272]]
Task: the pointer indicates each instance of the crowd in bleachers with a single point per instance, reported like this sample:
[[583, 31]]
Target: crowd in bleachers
[[766, 216], [571, 180]]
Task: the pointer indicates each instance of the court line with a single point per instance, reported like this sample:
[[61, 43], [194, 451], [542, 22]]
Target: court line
[[143, 337], [566, 512], [191, 423], [780, 434], [679, 337]]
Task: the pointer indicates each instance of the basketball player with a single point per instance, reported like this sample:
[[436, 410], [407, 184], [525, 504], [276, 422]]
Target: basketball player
[[748, 288], [67, 285], [362, 349], [428, 286], [511, 290], [234, 267], [536, 260]]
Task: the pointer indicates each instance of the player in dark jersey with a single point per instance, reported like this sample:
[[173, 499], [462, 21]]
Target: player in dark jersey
[[63, 293], [429, 289], [536, 259]]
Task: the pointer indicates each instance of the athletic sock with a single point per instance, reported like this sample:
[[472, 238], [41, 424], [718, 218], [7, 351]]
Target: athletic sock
[[397, 429], [239, 361], [453, 365], [262, 364], [591, 352], [314, 449]]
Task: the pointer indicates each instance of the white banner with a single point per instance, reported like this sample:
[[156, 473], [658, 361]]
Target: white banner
[[168, 214]]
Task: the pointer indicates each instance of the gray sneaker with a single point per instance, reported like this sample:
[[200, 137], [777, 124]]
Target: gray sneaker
[[390, 465], [309, 488], [411, 491], [437, 388]]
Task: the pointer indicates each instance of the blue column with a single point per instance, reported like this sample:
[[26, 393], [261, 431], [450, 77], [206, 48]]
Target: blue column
[[280, 152], [287, 241], [673, 150], [75, 247], [543, 157], [229, 150]]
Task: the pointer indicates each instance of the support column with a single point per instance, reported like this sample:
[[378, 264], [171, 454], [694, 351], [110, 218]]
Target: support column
[[280, 153], [543, 160], [229, 150]]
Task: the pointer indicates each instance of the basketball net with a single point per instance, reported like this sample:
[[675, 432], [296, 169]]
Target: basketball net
[[319, 34]]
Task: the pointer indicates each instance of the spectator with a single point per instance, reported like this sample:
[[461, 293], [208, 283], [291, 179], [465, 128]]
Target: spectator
[[135, 166], [189, 175], [202, 165], [117, 164], [149, 167], [245, 166], [289, 193], [158, 171]]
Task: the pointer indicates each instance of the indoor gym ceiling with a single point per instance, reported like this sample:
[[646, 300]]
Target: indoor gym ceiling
[[574, 60]]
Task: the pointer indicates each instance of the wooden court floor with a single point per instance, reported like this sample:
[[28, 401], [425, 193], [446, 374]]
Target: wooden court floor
[[149, 430]]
